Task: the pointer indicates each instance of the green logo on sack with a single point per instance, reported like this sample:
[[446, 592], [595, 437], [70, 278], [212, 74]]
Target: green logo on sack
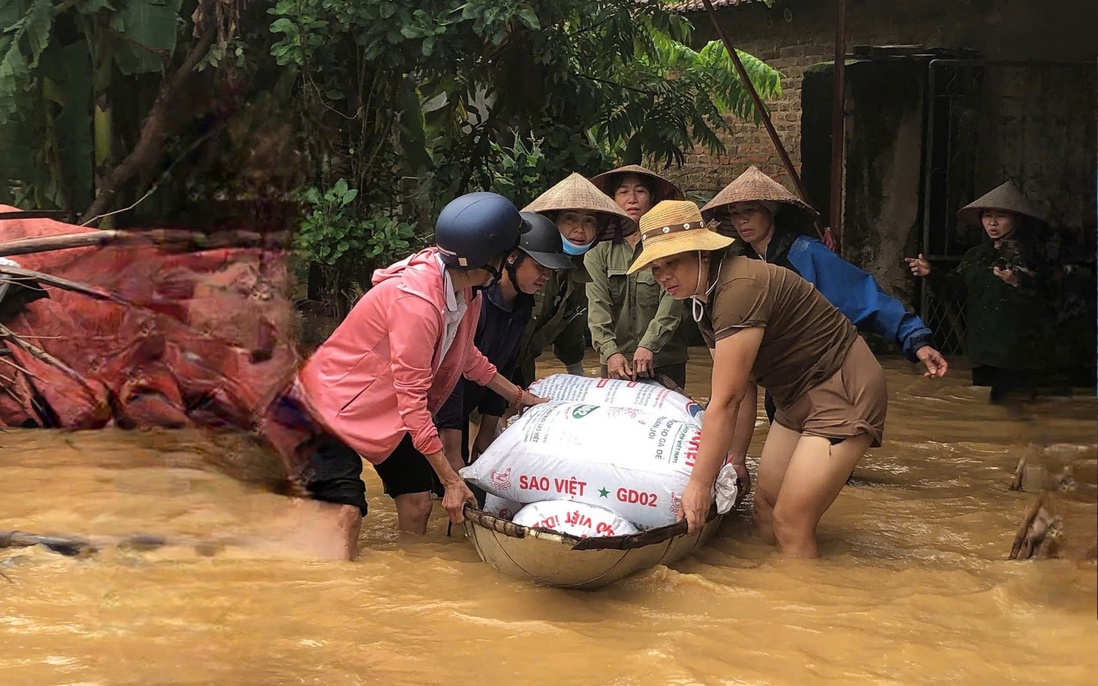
[[583, 410]]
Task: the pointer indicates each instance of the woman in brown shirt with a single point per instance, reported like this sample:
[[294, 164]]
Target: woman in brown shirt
[[765, 324]]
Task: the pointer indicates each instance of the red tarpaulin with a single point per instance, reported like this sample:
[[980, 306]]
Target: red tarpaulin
[[207, 340]]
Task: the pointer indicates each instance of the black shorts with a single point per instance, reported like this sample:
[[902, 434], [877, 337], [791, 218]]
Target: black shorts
[[333, 473], [406, 471]]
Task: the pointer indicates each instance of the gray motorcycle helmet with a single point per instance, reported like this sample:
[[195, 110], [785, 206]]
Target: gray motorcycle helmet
[[543, 242]]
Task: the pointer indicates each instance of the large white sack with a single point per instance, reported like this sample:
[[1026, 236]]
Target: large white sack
[[630, 461], [570, 517], [644, 394], [500, 507]]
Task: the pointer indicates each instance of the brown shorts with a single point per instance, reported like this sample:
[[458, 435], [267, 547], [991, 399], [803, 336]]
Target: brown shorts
[[850, 402]]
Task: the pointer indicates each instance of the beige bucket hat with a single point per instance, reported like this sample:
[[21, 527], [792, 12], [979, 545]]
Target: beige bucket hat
[[673, 227], [754, 185], [661, 186], [1006, 197], [577, 193]]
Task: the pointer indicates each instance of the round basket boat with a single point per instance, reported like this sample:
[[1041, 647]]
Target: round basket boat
[[555, 559], [565, 561]]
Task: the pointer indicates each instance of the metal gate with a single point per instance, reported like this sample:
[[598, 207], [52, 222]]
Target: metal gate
[[952, 122]]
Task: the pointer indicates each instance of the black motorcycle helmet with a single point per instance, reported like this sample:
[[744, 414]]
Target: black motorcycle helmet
[[543, 242], [475, 228]]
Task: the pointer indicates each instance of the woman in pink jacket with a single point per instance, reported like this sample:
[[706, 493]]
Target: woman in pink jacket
[[372, 388]]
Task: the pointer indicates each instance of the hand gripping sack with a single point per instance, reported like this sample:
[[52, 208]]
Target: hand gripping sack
[[644, 394], [577, 519], [630, 461]]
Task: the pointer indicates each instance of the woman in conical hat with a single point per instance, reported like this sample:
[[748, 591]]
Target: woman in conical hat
[[764, 324], [1005, 312], [635, 327], [585, 217], [753, 205]]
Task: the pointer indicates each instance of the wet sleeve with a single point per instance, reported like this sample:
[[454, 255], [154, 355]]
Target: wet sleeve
[[857, 295], [663, 326], [415, 328], [740, 303], [599, 318]]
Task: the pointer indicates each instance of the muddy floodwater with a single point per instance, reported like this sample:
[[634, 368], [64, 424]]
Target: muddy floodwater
[[914, 586]]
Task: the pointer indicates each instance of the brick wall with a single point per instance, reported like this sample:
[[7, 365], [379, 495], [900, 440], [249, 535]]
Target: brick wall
[[705, 174], [795, 34]]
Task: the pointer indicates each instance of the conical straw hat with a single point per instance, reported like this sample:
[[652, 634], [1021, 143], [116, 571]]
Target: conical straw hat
[[1006, 197], [754, 185], [673, 227], [664, 189], [577, 193]]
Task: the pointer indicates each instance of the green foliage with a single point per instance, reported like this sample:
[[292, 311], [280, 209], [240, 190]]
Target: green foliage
[[27, 33], [503, 95], [345, 247], [52, 58], [385, 109], [474, 74], [523, 169]]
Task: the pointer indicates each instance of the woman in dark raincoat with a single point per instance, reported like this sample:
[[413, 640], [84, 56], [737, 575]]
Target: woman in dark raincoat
[[1005, 307]]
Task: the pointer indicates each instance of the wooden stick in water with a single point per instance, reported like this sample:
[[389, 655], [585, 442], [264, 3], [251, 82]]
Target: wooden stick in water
[[78, 545]]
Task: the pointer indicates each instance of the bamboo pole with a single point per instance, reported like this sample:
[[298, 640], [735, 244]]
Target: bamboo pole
[[824, 233], [761, 109], [180, 240], [25, 246]]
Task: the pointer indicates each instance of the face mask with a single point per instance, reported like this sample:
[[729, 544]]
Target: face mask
[[574, 250]]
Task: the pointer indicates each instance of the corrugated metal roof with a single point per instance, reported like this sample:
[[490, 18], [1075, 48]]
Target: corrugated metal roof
[[699, 6]]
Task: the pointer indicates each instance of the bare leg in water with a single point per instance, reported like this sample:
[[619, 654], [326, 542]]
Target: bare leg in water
[[413, 511], [814, 476], [325, 530], [776, 454]]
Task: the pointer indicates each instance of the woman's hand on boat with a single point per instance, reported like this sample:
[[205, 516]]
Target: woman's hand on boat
[[744, 478], [696, 501], [454, 498]]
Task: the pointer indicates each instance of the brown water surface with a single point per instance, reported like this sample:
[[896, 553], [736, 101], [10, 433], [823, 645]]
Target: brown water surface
[[914, 586]]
